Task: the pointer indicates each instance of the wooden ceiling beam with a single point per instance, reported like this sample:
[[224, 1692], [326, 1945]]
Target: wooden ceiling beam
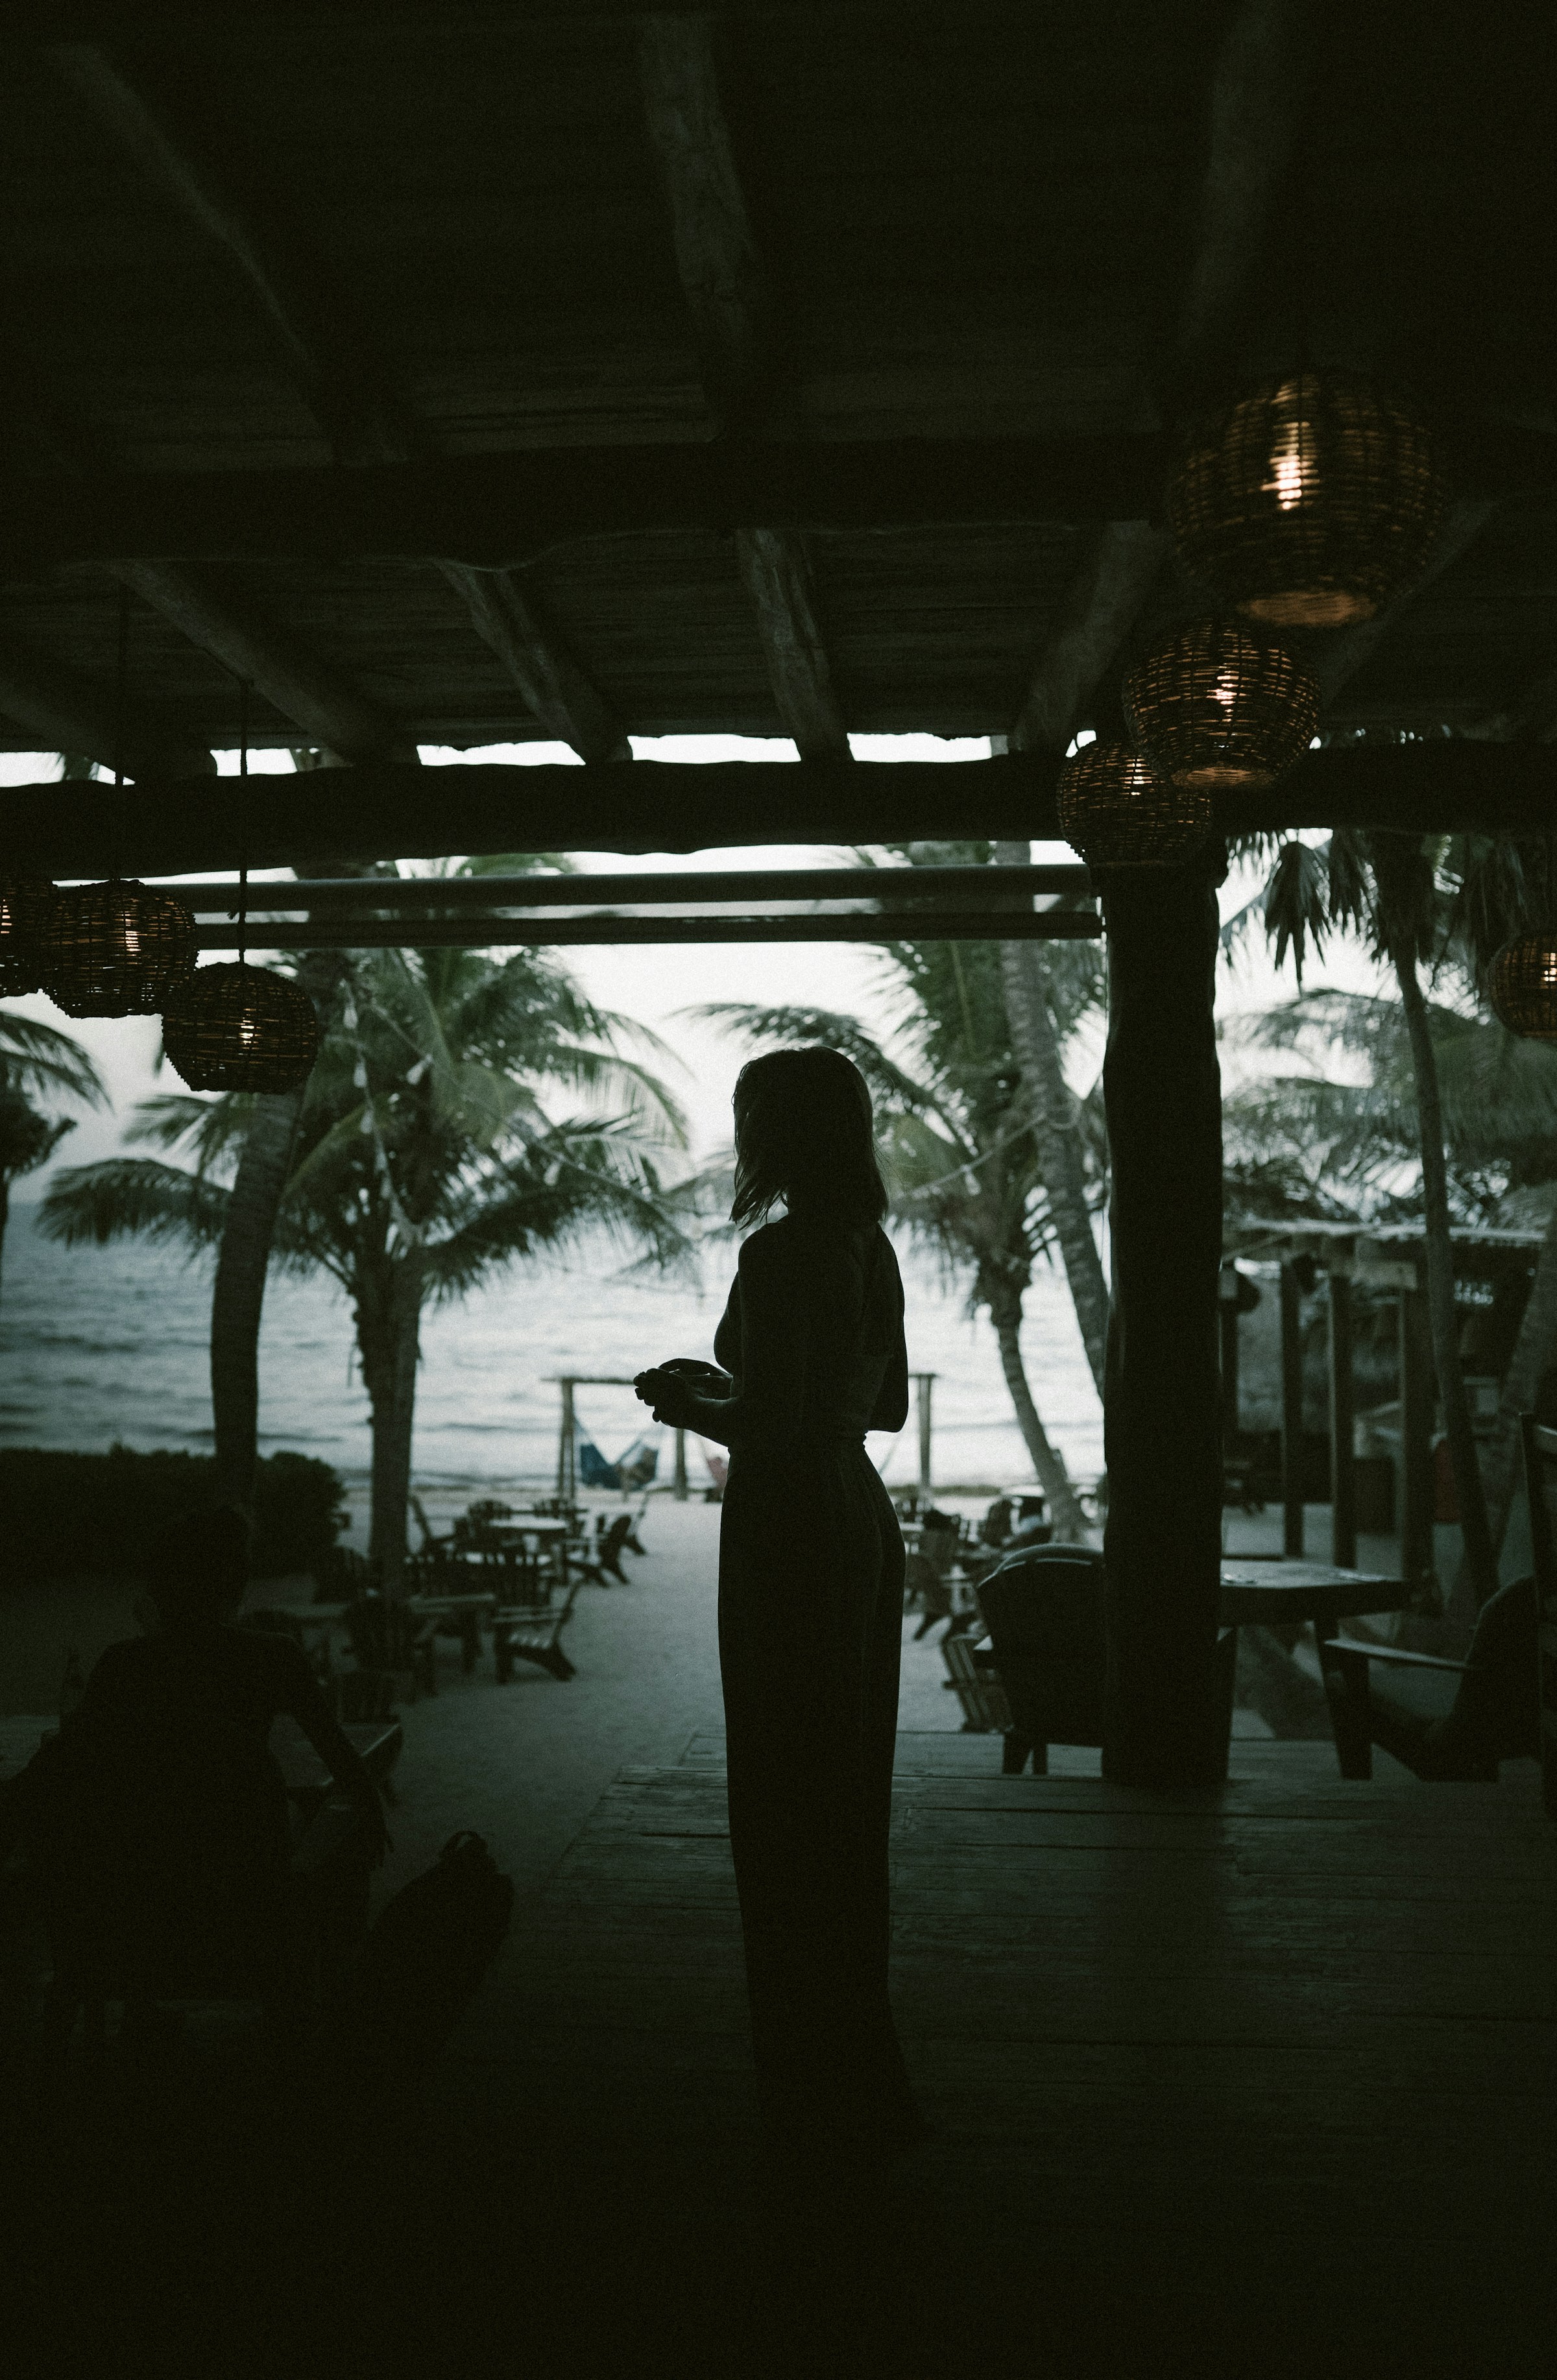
[[384, 812], [501, 511], [1096, 614], [730, 301], [328, 710], [68, 715], [345, 384]]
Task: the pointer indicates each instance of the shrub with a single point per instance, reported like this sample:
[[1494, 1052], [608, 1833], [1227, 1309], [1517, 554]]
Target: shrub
[[97, 1514]]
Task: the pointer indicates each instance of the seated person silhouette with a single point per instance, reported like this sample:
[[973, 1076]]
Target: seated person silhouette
[[1496, 1713], [162, 1812]]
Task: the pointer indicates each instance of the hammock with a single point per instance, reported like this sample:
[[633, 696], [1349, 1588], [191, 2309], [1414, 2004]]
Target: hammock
[[634, 1468]]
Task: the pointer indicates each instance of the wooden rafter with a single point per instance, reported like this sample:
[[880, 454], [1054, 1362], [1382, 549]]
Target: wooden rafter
[[730, 302], [345, 384], [315, 699], [384, 812], [1094, 618], [68, 715], [1260, 96], [1343, 655]]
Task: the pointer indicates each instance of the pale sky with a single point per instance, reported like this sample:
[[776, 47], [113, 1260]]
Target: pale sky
[[652, 983]]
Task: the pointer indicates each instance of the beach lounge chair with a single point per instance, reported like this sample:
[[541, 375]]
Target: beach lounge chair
[[524, 1634]]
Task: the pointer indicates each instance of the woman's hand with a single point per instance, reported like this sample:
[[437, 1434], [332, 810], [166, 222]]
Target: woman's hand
[[669, 1394]]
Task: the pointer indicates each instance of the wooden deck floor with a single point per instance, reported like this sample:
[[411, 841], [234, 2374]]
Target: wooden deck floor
[[1259, 2080], [1268, 2072]]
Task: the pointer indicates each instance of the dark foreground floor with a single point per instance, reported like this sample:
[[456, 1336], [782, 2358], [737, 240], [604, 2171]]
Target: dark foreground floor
[[1260, 2081]]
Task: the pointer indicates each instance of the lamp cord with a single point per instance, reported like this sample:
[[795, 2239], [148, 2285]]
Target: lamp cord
[[243, 822], [121, 689]]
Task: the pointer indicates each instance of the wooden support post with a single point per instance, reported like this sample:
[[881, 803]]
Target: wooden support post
[[680, 1480], [1291, 1415], [1417, 1402], [1227, 1330], [1343, 1416], [922, 1385], [1162, 1413], [567, 1473]]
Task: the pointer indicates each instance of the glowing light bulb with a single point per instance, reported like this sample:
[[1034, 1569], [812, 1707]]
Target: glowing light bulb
[[1289, 477], [1225, 690]]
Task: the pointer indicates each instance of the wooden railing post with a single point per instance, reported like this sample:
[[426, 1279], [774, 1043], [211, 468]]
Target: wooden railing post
[[1162, 1415]]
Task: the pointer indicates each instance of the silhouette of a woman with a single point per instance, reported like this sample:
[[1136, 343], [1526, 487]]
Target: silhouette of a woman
[[810, 1596]]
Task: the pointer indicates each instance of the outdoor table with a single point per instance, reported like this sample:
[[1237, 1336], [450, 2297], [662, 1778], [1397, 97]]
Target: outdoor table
[[466, 1610], [1292, 1592]]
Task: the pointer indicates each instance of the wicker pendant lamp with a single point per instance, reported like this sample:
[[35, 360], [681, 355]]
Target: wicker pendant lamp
[[1521, 986], [1214, 705], [1116, 814], [240, 1028], [26, 905], [1312, 502], [116, 948]]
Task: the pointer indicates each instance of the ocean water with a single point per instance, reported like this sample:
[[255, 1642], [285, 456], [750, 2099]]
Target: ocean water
[[99, 1344]]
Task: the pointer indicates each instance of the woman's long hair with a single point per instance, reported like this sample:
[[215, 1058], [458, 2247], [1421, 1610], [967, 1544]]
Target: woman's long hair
[[804, 1133]]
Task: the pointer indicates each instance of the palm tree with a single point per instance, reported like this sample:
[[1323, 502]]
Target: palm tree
[[1033, 986], [36, 1061], [424, 1161], [962, 1154]]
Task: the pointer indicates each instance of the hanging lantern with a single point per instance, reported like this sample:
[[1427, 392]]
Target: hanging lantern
[[116, 948], [1311, 502], [240, 1028], [1212, 705], [1116, 814], [26, 904], [1521, 986]]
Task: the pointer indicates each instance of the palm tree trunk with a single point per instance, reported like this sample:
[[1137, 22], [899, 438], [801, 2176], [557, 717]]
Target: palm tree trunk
[[1533, 1351], [1036, 1048], [1047, 1462], [1480, 1565], [241, 1267], [388, 1336]]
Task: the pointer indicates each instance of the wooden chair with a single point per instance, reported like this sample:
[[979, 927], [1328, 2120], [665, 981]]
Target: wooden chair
[[1540, 1486], [984, 1707], [387, 1639], [522, 1634], [1044, 1607]]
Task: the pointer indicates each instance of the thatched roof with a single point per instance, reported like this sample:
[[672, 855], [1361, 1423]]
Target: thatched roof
[[658, 311]]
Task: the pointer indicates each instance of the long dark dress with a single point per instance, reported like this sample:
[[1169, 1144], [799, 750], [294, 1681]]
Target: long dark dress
[[811, 1606]]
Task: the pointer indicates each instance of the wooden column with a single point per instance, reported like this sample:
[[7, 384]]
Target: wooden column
[[1162, 1413], [1227, 1330], [1418, 1405], [568, 1474], [1292, 1413], [1343, 1416], [922, 1381]]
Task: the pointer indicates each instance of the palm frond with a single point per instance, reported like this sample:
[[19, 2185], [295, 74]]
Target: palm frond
[[132, 1197], [39, 1058]]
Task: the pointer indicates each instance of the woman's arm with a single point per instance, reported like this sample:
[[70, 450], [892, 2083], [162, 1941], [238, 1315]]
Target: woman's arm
[[891, 1408], [772, 1394]]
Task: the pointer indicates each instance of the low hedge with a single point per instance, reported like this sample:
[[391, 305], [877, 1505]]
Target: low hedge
[[68, 1515]]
